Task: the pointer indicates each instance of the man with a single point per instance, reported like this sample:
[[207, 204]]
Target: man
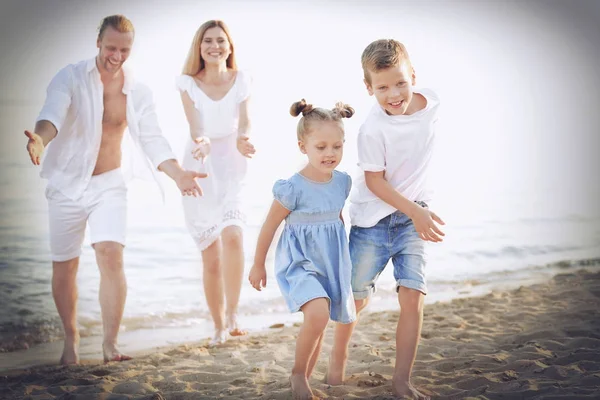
[[87, 108]]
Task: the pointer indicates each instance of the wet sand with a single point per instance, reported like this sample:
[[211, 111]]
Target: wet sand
[[539, 341]]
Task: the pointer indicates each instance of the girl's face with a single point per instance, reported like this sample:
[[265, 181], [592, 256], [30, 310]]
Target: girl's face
[[215, 47], [324, 146]]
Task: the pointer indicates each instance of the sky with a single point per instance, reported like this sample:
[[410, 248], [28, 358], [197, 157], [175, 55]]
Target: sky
[[518, 80]]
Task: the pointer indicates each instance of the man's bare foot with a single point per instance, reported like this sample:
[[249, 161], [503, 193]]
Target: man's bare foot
[[70, 353], [300, 388], [220, 337], [112, 353], [232, 326], [405, 390], [336, 370]]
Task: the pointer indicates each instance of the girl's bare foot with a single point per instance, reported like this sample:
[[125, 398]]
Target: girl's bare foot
[[300, 388], [405, 390], [335, 371]]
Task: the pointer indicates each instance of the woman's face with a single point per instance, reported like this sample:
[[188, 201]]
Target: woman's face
[[215, 47]]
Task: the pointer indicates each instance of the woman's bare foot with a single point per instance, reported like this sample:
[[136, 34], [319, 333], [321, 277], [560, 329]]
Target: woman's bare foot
[[300, 388], [232, 326], [70, 353], [405, 390], [336, 370], [112, 353], [220, 337]]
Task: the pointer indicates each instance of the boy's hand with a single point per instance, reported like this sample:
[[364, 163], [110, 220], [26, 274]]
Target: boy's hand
[[423, 220], [258, 277], [245, 147]]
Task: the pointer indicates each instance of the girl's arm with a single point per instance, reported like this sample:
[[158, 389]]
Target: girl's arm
[[258, 273]]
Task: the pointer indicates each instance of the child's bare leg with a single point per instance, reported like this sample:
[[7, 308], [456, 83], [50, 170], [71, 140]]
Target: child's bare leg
[[315, 356], [408, 332], [316, 317], [339, 352]]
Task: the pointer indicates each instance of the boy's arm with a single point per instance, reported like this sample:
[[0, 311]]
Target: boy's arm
[[422, 218], [258, 273]]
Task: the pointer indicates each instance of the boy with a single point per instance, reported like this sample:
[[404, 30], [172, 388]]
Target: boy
[[388, 212]]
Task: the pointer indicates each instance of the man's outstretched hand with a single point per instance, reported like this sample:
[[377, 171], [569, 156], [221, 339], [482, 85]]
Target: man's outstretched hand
[[35, 147], [186, 182]]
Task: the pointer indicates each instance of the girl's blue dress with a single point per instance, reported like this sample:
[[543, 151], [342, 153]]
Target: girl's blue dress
[[312, 258]]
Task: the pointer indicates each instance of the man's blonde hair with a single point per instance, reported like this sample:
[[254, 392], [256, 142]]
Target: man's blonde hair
[[382, 54], [118, 22]]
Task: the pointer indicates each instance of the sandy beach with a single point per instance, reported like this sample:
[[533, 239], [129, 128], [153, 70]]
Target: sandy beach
[[540, 341]]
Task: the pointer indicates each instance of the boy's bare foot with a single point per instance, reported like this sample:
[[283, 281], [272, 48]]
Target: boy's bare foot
[[220, 337], [336, 370], [112, 353], [300, 388], [232, 326], [405, 390], [70, 353]]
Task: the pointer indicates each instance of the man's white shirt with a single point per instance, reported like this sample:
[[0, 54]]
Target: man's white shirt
[[75, 106]]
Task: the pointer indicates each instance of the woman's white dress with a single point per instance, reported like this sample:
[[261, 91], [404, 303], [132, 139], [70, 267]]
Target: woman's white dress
[[220, 206]]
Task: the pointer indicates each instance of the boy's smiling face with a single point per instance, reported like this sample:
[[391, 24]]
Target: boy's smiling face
[[392, 87]]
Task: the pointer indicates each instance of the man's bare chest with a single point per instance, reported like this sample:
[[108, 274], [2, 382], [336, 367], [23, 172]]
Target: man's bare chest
[[115, 108]]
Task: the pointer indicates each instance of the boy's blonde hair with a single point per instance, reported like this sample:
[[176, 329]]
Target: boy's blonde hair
[[382, 54], [118, 22], [194, 62], [311, 115]]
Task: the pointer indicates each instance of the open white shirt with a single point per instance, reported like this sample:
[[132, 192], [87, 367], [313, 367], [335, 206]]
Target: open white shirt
[[400, 145], [74, 105]]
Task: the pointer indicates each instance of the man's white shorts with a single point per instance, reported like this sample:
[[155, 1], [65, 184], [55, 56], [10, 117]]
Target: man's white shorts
[[103, 206]]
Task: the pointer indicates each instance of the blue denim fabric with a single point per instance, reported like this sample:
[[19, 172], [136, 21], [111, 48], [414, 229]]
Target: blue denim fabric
[[393, 237]]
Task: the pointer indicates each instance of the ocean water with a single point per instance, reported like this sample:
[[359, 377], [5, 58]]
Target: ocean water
[[496, 237]]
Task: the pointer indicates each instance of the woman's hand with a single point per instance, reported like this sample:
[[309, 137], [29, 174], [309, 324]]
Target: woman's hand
[[202, 148]]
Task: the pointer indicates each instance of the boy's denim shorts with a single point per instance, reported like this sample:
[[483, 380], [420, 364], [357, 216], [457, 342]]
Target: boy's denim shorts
[[394, 237]]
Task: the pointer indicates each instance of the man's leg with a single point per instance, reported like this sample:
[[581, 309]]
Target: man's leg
[[66, 224], [113, 292], [233, 274], [64, 291]]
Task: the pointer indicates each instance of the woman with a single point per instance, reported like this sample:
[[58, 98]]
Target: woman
[[215, 96]]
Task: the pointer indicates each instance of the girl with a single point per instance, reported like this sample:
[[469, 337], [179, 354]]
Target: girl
[[312, 263], [215, 96]]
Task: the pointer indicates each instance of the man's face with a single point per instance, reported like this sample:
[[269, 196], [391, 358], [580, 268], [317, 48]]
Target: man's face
[[392, 87], [114, 48]]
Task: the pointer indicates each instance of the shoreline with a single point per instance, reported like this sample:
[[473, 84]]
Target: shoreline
[[531, 342], [140, 342]]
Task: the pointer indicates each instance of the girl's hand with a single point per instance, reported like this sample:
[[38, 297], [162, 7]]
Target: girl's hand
[[424, 222], [258, 277], [245, 147], [202, 149]]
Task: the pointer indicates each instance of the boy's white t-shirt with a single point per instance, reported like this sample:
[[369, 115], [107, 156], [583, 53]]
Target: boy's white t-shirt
[[400, 145]]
